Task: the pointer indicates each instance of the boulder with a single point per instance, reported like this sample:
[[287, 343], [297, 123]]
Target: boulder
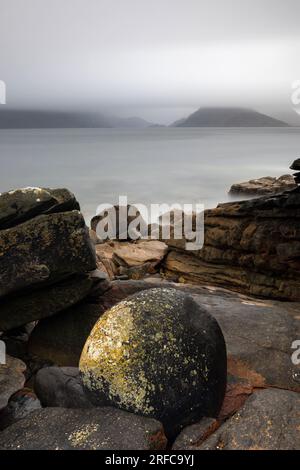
[[45, 249], [20, 405], [23, 204], [44, 302], [12, 379], [250, 246], [158, 354], [61, 387], [83, 429], [295, 165], [266, 185], [269, 420]]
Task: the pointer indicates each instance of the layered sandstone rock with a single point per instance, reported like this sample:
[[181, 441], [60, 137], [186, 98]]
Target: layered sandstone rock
[[250, 246]]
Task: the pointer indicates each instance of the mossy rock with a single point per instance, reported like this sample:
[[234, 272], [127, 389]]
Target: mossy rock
[[158, 354]]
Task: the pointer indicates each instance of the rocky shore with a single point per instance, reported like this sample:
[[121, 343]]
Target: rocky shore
[[141, 344]]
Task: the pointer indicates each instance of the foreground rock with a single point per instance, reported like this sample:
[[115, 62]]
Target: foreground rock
[[46, 248], [23, 204], [250, 246], [12, 379], [270, 420], [20, 405], [61, 387], [266, 185], [96, 429], [43, 303], [158, 354], [45, 255], [193, 436]]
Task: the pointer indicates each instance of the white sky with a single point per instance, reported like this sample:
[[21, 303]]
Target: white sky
[[159, 59]]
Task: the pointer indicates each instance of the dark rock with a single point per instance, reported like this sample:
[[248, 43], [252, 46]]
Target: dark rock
[[158, 354], [296, 165], [45, 302], [61, 387], [16, 340], [45, 249], [60, 339], [266, 185], [12, 379], [20, 405], [269, 420], [95, 429], [24, 204], [193, 436]]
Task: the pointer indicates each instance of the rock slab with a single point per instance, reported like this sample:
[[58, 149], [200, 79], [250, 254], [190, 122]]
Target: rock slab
[[82, 429]]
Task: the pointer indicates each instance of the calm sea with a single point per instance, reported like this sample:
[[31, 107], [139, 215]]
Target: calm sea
[[156, 165]]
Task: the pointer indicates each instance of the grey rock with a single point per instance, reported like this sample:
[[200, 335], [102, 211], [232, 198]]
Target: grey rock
[[45, 249], [83, 429], [195, 434], [61, 387], [44, 302], [23, 204]]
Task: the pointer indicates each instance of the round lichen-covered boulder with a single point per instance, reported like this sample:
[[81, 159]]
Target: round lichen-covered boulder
[[158, 354]]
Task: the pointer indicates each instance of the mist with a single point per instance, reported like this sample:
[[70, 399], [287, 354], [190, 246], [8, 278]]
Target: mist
[[159, 60]]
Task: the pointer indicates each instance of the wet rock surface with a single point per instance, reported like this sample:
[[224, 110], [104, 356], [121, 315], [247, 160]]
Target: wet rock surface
[[158, 354], [83, 429]]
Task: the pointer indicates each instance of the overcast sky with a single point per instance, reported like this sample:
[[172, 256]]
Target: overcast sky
[[159, 59]]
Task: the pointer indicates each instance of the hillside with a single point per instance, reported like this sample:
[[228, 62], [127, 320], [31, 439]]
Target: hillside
[[228, 117], [34, 119]]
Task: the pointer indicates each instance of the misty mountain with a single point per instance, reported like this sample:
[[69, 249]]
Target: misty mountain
[[32, 119], [228, 117]]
